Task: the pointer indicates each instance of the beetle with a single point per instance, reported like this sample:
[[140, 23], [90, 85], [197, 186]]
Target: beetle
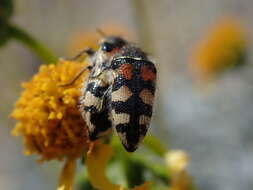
[[119, 91]]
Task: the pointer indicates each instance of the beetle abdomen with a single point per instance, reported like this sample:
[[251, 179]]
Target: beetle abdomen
[[132, 99]]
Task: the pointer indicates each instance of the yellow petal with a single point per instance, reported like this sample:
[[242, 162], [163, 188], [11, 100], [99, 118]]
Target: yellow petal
[[67, 175], [97, 158], [96, 162]]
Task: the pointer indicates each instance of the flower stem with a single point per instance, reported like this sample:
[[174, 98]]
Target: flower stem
[[134, 171], [158, 170], [19, 34]]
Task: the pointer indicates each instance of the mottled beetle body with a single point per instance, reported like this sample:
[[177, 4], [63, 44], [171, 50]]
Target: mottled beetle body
[[132, 95], [94, 102], [119, 92]]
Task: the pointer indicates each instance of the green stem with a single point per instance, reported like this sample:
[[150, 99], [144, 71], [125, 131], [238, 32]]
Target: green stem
[[46, 55], [134, 171], [158, 170]]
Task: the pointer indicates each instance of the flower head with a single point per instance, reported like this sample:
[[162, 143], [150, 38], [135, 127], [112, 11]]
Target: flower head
[[224, 47], [47, 114]]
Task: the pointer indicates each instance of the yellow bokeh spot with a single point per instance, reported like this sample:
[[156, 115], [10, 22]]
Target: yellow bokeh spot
[[222, 48], [177, 160]]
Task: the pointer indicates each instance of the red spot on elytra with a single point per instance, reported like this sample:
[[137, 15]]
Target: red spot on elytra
[[147, 74], [126, 71]]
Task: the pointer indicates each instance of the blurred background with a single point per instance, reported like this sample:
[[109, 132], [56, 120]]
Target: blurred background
[[203, 51]]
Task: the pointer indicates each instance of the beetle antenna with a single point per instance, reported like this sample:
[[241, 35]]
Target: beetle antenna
[[101, 32], [88, 51], [76, 77]]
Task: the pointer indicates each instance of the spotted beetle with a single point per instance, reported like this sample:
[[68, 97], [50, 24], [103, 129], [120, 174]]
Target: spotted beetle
[[132, 95], [119, 91]]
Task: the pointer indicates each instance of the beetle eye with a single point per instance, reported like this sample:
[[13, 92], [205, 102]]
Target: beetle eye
[[107, 47]]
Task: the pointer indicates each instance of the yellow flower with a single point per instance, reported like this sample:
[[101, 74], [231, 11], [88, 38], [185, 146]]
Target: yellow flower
[[48, 116], [224, 47], [51, 125], [96, 161]]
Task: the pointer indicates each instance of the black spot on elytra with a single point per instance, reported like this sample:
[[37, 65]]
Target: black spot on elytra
[[133, 106], [99, 118], [133, 133], [133, 130], [102, 123]]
